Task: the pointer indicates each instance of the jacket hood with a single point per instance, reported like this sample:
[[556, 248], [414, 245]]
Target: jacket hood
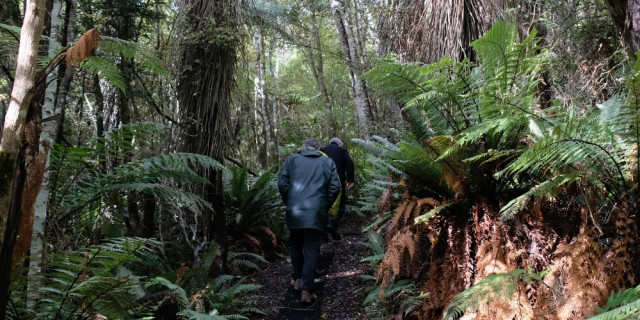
[[308, 153]]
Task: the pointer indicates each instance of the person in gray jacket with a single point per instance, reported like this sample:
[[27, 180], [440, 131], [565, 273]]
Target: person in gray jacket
[[308, 183]]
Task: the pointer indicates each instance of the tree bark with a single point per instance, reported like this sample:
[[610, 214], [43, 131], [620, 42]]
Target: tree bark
[[261, 99], [316, 65], [48, 135], [204, 91], [626, 16], [12, 137], [349, 48]]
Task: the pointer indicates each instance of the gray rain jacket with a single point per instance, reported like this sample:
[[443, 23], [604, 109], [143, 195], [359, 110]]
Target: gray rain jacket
[[308, 184]]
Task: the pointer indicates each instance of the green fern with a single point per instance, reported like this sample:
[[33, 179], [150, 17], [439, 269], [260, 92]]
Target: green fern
[[112, 49], [82, 189], [624, 305], [489, 288], [99, 279], [253, 206], [377, 247]]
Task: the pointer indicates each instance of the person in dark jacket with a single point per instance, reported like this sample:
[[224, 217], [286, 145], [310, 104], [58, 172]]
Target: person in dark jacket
[[308, 183], [344, 164]]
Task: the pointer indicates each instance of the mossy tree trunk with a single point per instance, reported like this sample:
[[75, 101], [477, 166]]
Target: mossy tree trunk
[[208, 59]]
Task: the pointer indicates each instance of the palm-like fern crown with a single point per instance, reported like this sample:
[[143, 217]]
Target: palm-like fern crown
[[496, 129], [482, 125]]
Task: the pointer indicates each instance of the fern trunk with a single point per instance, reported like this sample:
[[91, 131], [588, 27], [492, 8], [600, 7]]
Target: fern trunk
[[206, 79]]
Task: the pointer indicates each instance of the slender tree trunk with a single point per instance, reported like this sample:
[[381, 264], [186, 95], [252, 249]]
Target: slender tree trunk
[[349, 48], [317, 70], [47, 137], [12, 138], [262, 99], [66, 71], [274, 71]]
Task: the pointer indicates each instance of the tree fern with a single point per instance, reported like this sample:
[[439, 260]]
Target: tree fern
[[110, 50]]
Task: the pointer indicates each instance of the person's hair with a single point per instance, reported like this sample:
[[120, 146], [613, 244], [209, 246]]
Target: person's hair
[[311, 142], [336, 140]]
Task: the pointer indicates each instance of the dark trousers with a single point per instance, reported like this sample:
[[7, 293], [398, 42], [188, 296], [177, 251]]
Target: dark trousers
[[335, 221], [305, 249]]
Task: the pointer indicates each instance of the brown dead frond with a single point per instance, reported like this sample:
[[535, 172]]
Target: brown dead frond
[[195, 301], [183, 268], [402, 257], [271, 234], [84, 47]]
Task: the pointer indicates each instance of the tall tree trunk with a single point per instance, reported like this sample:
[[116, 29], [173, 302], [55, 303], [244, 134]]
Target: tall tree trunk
[[626, 16], [261, 99], [10, 145], [204, 91], [48, 135], [316, 65], [349, 48], [66, 71]]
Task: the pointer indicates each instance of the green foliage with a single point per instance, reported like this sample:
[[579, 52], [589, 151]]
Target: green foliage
[[99, 279], [86, 189], [624, 305], [402, 295], [9, 36], [491, 287], [377, 247], [253, 206], [479, 130], [490, 112], [413, 159], [221, 298], [104, 62]]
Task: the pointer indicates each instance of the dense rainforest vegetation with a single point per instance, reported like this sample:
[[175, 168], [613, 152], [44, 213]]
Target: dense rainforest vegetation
[[496, 142]]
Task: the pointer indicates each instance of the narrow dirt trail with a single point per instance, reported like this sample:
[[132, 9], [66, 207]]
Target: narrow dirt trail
[[338, 283]]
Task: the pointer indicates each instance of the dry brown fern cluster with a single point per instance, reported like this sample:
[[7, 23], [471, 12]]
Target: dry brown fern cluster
[[448, 254]]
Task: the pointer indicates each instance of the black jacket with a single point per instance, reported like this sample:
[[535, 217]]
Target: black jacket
[[308, 184], [343, 161]]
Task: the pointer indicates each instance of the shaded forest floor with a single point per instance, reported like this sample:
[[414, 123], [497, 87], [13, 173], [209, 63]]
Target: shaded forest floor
[[338, 283]]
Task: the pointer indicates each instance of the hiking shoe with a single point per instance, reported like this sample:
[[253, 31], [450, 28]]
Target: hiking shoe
[[334, 234], [295, 284], [308, 297]]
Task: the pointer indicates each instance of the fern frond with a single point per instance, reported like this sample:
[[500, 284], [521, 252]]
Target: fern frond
[[105, 69], [432, 213], [624, 305], [115, 47], [488, 288]]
